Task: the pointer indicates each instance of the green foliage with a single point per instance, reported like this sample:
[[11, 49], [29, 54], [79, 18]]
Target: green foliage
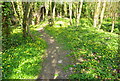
[[107, 25], [22, 58], [94, 51], [6, 14]]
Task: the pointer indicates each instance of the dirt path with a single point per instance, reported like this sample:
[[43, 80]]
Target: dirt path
[[55, 60]]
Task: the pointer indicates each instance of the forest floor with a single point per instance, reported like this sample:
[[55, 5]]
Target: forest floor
[[55, 60]]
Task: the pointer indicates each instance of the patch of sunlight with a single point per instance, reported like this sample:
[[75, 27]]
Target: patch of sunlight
[[60, 23], [60, 61], [53, 51], [28, 60], [53, 61], [52, 56], [52, 40], [80, 59], [99, 30], [57, 26], [56, 74], [71, 68], [51, 37], [57, 47], [32, 27], [91, 72], [36, 27], [83, 52], [44, 24], [39, 29], [19, 76], [17, 31]]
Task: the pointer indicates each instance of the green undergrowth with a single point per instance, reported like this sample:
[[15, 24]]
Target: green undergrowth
[[22, 57], [95, 52], [107, 26]]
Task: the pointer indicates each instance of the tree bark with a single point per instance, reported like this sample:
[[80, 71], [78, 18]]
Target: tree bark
[[50, 7], [70, 12], [54, 10], [79, 12], [25, 18], [102, 14], [29, 18], [113, 22], [15, 12], [47, 8], [96, 15], [65, 9], [20, 12]]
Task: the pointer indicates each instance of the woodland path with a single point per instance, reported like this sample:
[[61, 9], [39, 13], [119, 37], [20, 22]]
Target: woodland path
[[55, 60]]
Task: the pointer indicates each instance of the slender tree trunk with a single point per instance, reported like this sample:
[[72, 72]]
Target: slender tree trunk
[[65, 9], [113, 22], [30, 18], [50, 6], [51, 20], [79, 12], [15, 12], [54, 10], [43, 14], [38, 17], [20, 12], [96, 15], [61, 13], [102, 14], [37, 14], [47, 8], [70, 12]]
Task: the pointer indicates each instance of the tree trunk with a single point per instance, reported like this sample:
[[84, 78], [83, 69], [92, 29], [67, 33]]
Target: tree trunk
[[30, 15], [96, 15], [65, 9], [79, 12], [77, 7], [6, 20], [51, 20], [113, 22], [15, 12], [25, 18], [70, 12], [20, 12], [50, 7], [37, 17], [102, 14], [43, 14], [54, 10], [47, 8]]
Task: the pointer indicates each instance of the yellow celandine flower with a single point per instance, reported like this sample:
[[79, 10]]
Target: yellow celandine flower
[[8, 65]]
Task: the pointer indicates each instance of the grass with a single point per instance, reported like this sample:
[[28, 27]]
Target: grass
[[95, 52], [23, 57]]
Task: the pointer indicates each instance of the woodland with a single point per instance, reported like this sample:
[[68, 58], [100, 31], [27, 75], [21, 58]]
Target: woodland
[[88, 31]]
